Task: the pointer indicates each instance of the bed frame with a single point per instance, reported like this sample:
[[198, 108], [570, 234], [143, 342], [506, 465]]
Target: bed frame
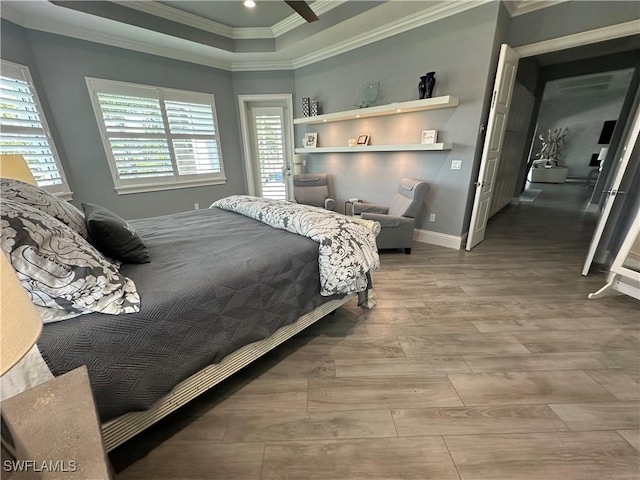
[[117, 431]]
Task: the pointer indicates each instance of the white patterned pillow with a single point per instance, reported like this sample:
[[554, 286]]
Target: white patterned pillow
[[45, 202], [59, 268]]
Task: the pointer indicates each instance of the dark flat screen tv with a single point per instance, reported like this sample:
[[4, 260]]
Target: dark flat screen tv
[[607, 132]]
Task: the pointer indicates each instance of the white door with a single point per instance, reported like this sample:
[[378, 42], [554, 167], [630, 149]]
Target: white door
[[623, 161], [515, 138], [269, 157], [266, 122], [500, 104]]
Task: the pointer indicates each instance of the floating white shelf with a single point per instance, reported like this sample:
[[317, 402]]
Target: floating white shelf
[[377, 148], [380, 110]]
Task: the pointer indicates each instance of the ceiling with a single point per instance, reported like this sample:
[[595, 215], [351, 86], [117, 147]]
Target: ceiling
[[615, 82], [227, 35], [234, 14]]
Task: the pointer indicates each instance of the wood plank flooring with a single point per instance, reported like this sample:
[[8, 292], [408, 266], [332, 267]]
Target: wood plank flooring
[[490, 364]]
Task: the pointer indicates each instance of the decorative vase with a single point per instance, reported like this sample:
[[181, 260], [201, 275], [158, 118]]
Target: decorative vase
[[422, 87], [429, 83], [305, 106], [314, 108]]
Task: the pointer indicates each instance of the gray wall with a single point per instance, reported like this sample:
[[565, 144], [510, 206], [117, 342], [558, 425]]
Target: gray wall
[[397, 63], [256, 83], [584, 116], [63, 64]]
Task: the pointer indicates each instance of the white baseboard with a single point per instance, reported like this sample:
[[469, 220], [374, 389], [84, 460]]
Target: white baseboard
[[441, 239]]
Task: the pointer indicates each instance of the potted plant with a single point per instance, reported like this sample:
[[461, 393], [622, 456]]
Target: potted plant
[[547, 169], [551, 150]]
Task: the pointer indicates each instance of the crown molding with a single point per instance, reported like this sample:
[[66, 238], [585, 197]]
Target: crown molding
[[11, 14], [169, 13], [249, 66], [578, 39], [214, 57], [90, 35], [511, 6], [528, 6], [253, 33], [423, 17]]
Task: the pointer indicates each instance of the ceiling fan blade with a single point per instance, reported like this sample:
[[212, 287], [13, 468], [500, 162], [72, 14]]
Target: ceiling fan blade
[[303, 9]]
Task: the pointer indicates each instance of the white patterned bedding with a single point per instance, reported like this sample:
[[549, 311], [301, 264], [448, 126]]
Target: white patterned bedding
[[347, 250]]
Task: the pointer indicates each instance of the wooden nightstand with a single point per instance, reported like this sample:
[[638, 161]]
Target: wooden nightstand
[[56, 432]]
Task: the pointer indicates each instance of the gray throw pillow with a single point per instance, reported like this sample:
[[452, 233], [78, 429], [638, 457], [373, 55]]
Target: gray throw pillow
[[59, 268], [44, 201], [113, 236]]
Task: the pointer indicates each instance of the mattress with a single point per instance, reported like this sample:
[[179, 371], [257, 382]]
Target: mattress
[[216, 282]]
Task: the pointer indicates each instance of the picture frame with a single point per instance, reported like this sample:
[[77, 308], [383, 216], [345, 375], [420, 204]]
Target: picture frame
[[429, 137], [363, 139], [310, 140]]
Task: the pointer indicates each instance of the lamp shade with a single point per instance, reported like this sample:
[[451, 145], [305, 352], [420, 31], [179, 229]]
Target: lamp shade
[[16, 168], [603, 153], [20, 324]]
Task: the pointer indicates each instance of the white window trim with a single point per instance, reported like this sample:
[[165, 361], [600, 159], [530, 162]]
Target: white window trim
[[62, 190], [153, 184]]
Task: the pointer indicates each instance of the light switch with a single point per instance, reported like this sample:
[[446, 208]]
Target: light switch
[[456, 164]]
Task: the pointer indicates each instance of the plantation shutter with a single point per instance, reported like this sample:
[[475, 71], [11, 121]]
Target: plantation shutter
[[135, 131], [24, 130], [157, 136], [269, 124], [192, 130]]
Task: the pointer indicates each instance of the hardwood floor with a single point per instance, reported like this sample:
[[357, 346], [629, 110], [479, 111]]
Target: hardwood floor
[[490, 364]]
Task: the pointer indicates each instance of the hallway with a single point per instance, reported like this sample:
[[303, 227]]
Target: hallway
[[557, 215]]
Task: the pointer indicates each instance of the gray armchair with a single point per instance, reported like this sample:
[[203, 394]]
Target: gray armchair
[[313, 189], [398, 219]]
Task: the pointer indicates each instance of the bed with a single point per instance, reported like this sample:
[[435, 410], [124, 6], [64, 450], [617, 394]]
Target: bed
[[221, 289]]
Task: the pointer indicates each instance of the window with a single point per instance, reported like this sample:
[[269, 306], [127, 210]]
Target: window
[[270, 149], [157, 138], [24, 129]]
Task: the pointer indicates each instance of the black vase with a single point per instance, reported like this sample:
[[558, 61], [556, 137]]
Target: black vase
[[430, 82], [422, 87]]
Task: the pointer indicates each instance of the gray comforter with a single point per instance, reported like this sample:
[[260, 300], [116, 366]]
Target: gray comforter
[[216, 282]]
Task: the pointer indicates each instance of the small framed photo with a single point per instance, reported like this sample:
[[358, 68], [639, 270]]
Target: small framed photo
[[429, 137], [363, 139], [310, 140]]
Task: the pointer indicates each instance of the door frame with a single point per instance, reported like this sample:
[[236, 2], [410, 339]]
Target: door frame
[[565, 42], [244, 104]]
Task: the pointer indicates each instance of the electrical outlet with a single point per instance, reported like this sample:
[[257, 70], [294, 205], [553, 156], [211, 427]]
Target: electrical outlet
[[432, 217], [456, 164], [196, 206]]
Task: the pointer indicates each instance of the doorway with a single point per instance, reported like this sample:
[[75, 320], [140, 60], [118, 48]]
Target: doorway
[[267, 138], [616, 54]]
